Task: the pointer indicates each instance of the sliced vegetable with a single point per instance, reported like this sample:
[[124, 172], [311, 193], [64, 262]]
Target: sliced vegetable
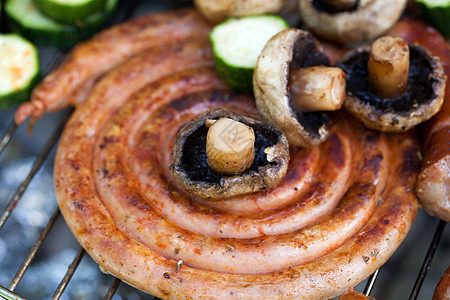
[[69, 11], [437, 13], [19, 69], [25, 18], [237, 43]]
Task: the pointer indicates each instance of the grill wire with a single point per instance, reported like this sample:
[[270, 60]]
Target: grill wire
[[126, 10]]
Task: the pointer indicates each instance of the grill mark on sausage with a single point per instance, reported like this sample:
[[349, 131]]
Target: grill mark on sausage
[[336, 150]]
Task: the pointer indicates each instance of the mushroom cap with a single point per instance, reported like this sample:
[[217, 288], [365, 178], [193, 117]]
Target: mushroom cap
[[422, 99], [218, 10], [269, 168], [289, 48], [368, 20]]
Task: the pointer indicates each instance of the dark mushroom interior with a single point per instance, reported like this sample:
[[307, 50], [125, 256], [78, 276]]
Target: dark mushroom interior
[[193, 158], [322, 6], [306, 54], [419, 90]]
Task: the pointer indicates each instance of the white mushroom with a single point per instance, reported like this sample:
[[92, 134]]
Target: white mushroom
[[289, 85], [368, 20], [261, 154], [401, 103]]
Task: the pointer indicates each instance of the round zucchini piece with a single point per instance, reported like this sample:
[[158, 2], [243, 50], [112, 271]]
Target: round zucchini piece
[[19, 69], [237, 43], [69, 11], [437, 13], [26, 19]]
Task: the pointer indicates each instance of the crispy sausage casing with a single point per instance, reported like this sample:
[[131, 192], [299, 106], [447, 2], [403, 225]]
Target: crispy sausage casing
[[433, 184], [442, 291], [337, 216], [70, 83]]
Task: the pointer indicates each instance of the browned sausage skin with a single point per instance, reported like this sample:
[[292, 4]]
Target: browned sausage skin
[[351, 294], [68, 84], [433, 184], [442, 291]]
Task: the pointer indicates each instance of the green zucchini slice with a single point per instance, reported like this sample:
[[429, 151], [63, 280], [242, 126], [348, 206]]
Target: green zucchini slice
[[26, 19], [19, 69], [437, 13], [69, 11], [237, 43]]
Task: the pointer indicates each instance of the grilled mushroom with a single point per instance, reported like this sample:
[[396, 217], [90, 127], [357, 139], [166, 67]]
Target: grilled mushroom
[[293, 87], [350, 21], [392, 86], [218, 10], [221, 154]]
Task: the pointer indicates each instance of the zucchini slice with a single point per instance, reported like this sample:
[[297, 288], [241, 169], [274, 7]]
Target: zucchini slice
[[26, 19], [69, 11], [237, 43], [19, 69], [437, 13]]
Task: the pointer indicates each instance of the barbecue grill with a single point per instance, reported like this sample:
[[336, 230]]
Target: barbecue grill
[[40, 259]]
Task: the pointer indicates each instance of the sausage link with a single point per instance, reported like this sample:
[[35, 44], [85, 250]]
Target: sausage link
[[433, 184], [442, 291], [66, 85]]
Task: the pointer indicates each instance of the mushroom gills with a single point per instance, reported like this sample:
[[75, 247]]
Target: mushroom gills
[[422, 99], [419, 86], [194, 157], [285, 53], [305, 55], [195, 176]]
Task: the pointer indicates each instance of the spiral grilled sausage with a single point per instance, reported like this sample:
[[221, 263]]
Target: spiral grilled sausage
[[337, 216]]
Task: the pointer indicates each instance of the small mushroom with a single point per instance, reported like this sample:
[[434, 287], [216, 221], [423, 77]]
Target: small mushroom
[[392, 86], [350, 21], [221, 154], [293, 87], [218, 10]]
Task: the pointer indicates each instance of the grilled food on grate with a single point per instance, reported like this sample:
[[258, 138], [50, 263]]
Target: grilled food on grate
[[338, 215]]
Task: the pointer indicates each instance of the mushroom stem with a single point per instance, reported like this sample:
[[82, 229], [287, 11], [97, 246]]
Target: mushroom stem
[[317, 88], [230, 146], [340, 5], [388, 66]]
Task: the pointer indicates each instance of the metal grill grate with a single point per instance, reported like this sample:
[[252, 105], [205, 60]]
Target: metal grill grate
[[127, 10]]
